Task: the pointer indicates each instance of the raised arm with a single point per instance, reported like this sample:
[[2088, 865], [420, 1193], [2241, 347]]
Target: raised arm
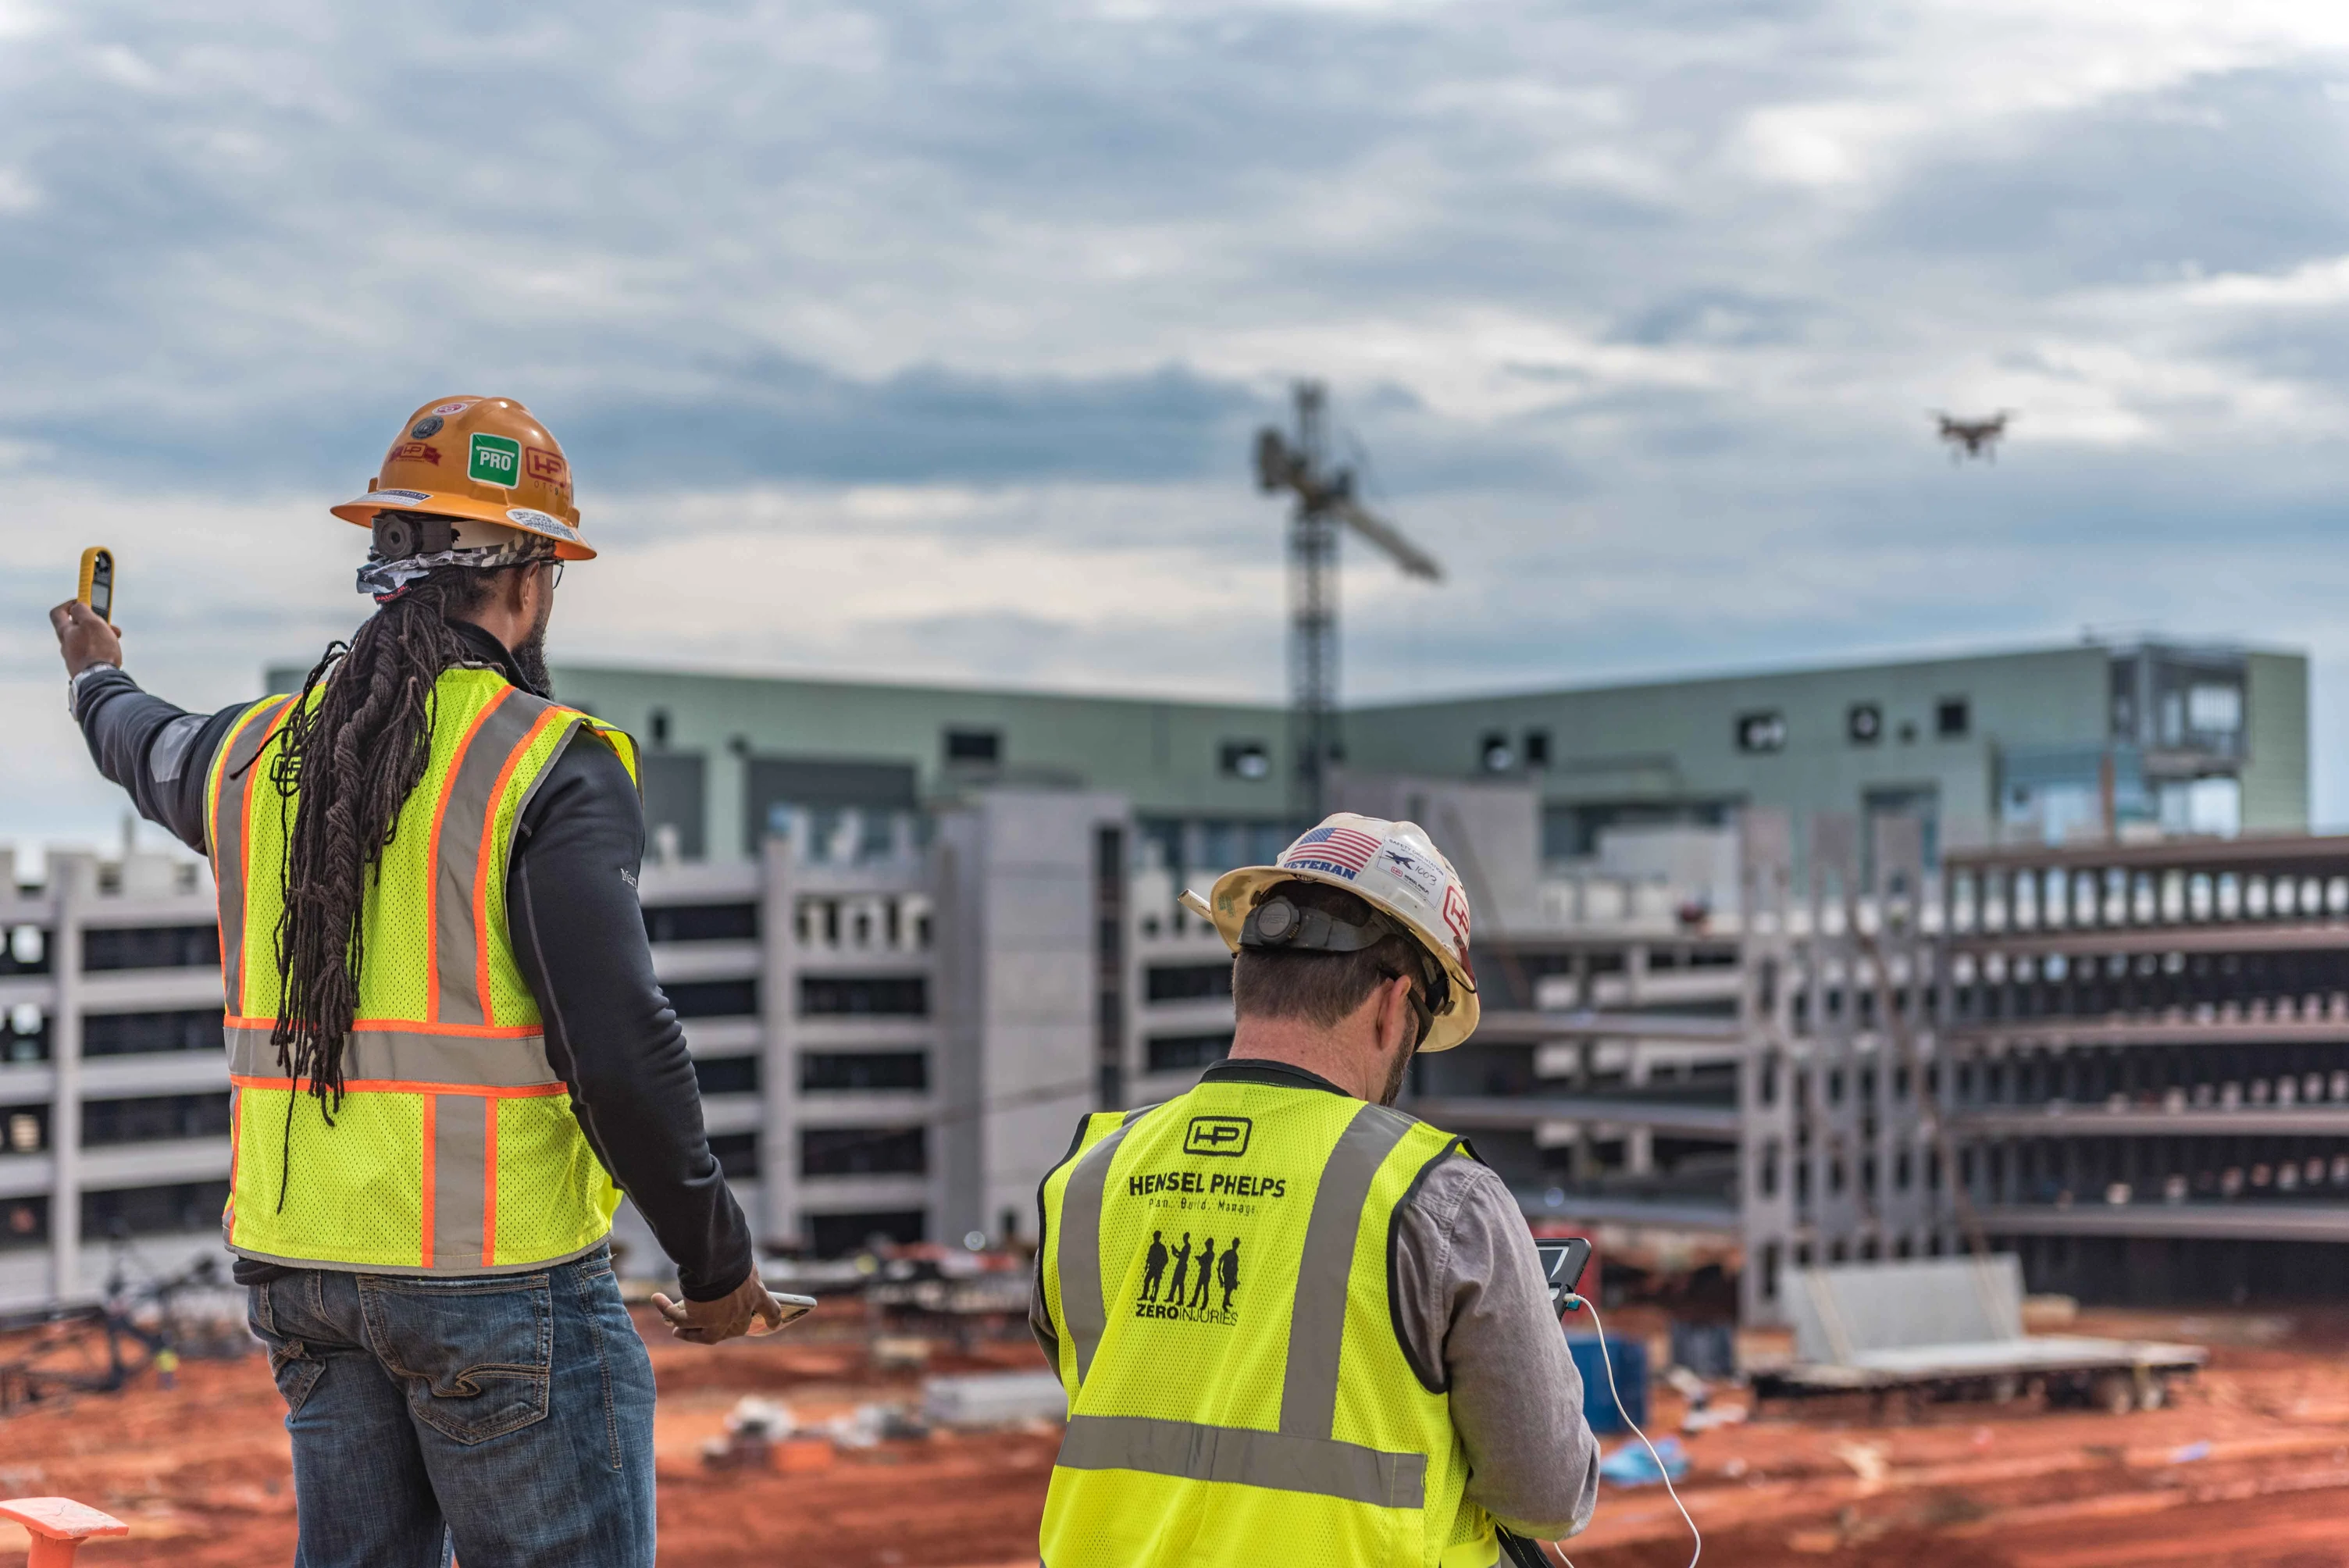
[[158, 752]]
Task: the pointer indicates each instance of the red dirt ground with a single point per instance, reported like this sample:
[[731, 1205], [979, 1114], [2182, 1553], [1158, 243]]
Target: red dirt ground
[[201, 1473]]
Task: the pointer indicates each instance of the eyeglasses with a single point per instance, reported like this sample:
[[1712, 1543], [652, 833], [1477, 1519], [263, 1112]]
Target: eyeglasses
[[555, 581], [1421, 1006]]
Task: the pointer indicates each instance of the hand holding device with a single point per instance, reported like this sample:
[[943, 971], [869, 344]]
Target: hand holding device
[[85, 635], [95, 588], [709, 1322], [1562, 1265]]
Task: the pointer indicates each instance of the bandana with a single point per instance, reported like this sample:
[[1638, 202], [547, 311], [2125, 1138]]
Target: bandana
[[386, 580]]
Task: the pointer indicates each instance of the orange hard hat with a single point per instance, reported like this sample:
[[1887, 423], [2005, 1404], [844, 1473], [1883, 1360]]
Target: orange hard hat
[[487, 459]]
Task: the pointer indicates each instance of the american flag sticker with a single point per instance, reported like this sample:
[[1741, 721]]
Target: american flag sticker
[[1339, 850]]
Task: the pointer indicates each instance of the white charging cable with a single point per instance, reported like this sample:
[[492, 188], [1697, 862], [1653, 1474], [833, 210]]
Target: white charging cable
[[1698, 1536]]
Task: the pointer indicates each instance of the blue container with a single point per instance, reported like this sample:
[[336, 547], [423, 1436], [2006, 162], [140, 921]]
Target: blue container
[[1599, 1406]]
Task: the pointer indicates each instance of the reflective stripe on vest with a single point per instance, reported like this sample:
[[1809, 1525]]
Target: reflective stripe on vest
[[1147, 1422], [232, 784], [449, 1095], [1279, 1460]]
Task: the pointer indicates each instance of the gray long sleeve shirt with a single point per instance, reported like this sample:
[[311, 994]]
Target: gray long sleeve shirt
[[1473, 1315]]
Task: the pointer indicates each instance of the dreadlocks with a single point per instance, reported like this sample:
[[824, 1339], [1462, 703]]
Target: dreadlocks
[[354, 757]]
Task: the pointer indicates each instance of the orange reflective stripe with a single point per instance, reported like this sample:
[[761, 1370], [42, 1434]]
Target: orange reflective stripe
[[432, 863], [401, 1025], [488, 858], [432, 1168], [397, 1056], [411, 1086], [222, 766]]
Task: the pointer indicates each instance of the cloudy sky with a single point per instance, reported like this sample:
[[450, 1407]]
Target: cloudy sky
[[925, 340]]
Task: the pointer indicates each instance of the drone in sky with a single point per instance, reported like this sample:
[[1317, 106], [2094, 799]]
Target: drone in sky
[[1973, 438]]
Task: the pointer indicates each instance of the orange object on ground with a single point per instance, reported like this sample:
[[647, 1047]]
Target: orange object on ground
[[59, 1526], [798, 1456]]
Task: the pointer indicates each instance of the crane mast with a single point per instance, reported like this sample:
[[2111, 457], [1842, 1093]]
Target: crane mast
[[1324, 502]]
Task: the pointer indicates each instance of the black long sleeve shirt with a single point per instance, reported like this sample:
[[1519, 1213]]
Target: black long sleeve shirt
[[578, 934]]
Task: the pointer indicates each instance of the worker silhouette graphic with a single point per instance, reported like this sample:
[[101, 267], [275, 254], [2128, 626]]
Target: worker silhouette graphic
[[1153, 1266], [1228, 1268], [1181, 1262], [1206, 1273]]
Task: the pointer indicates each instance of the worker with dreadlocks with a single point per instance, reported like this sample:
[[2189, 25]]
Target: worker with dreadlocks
[[448, 1052]]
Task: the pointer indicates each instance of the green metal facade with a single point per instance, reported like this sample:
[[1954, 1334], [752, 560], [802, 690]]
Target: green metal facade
[[1164, 757], [1637, 752], [1677, 742]]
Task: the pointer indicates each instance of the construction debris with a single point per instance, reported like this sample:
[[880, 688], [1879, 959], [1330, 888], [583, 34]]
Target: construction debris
[[995, 1399], [753, 1427], [2252, 1467], [1633, 1465], [899, 1352], [1953, 1328]]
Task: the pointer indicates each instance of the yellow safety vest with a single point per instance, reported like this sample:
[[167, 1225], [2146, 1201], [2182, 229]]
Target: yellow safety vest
[[454, 1149], [1217, 1270]]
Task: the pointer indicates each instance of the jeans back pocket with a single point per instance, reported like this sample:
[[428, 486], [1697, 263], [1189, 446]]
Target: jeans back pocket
[[477, 1355]]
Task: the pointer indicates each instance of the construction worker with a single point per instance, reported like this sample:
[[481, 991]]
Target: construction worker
[[1381, 1378], [447, 1053]]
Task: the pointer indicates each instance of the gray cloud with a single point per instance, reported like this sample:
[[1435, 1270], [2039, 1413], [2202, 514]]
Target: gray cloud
[[1636, 311]]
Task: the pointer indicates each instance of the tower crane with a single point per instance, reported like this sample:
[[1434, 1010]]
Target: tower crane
[[1324, 502]]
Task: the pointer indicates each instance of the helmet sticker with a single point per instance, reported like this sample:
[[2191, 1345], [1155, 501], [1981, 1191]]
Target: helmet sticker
[[1414, 872], [402, 497], [1455, 915], [1342, 851], [414, 452], [453, 408], [524, 517], [494, 460], [547, 468], [428, 426]]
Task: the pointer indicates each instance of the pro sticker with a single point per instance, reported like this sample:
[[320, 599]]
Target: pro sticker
[[494, 460]]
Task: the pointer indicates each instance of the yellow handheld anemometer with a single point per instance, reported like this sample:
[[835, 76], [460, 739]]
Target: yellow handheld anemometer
[[96, 589]]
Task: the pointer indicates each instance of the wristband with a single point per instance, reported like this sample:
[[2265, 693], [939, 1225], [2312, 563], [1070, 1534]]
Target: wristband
[[73, 682]]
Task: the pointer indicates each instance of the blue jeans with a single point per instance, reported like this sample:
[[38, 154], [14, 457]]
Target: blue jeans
[[507, 1418]]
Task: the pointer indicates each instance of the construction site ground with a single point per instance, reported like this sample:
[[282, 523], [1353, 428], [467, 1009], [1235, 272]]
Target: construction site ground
[[2249, 1468]]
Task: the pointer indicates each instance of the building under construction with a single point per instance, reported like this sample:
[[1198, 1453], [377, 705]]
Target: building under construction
[[1746, 996]]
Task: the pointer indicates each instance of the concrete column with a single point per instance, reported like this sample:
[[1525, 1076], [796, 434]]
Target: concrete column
[[777, 1221], [959, 1005], [73, 885], [1638, 1141], [727, 776]]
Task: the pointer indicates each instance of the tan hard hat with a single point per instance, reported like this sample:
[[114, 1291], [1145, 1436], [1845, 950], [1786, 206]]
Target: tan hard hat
[[1395, 868], [487, 459]]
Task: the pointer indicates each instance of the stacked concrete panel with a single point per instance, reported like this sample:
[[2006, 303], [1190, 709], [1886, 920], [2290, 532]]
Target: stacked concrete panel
[[2149, 1056]]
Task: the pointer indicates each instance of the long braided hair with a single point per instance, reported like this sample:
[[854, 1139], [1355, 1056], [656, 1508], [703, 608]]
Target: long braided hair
[[345, 767]]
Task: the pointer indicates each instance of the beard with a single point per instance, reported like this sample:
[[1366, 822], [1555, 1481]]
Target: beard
[[1402, 1064], [529, 659]]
